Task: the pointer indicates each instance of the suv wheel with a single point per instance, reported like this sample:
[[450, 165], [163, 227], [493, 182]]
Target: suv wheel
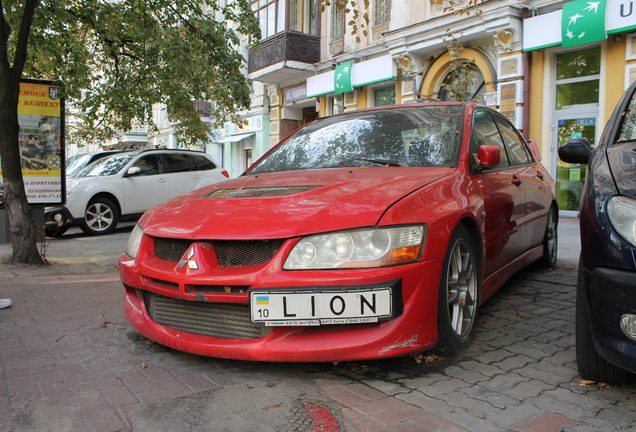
[[101, 217]]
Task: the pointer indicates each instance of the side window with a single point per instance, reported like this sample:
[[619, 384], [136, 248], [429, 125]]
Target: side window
[[203, 163], [178, 162], [516, 146], [485, 132], [149, 164], [628, 128]]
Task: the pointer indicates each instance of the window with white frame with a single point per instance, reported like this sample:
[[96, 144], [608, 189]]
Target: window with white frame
[[271, 16], [337, 23], [302, 16], [335, 104], [381, 12]]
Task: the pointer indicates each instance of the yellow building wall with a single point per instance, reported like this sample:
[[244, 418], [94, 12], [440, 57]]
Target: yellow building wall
[[537, 90], [614, 74]]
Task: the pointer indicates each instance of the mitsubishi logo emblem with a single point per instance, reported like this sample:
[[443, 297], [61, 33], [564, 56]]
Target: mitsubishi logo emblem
[[189, 260]]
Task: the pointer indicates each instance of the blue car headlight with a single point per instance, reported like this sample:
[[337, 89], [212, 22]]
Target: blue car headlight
[[622, 214]]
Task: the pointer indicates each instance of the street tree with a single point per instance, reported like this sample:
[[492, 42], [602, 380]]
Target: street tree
[[114, 59]]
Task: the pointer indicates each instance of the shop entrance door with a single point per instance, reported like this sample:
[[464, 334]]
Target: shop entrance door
[[570, 178]]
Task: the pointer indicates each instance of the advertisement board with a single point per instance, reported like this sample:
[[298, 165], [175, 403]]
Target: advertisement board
[[41, 140]]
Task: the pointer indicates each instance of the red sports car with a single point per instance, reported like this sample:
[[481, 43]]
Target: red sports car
[[363, 235]]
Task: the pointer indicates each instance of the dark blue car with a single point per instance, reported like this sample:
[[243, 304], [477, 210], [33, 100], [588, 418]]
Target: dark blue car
[[606, 289]]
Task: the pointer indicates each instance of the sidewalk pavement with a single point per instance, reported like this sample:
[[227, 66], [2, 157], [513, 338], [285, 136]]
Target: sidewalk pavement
[[70, 362]]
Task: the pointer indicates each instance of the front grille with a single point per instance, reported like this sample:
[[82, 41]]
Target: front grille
[[171, 249], [245, 252], [222, 320], [260, 192]]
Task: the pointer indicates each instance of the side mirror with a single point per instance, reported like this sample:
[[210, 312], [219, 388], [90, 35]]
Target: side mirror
[[133, 171], [576, 151], [489, 156]]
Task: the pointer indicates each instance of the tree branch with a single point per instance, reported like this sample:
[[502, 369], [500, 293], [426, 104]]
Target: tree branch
[[23, 37]]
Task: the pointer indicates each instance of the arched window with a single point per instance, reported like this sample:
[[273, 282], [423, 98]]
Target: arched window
[[463, 82]]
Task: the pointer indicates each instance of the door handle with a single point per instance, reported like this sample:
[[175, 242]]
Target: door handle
[[516, 180], [161, 180]]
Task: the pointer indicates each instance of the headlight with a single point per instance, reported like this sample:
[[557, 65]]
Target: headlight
[[358, 248], [71, 187], [622, 215], [133, 241]]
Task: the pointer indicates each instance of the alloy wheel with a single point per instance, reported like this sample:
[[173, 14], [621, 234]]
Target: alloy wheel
[[461, 287], [99, 216]]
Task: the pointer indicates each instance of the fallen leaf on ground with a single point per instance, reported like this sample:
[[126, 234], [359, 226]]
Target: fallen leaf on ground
[[271, 407]]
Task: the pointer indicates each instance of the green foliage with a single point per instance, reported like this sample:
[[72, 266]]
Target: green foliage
[[115, 59]]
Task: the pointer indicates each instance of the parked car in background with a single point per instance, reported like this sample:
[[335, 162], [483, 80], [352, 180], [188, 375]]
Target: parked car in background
[[606, 288], [124, 185], [363, 235], [78, 162]]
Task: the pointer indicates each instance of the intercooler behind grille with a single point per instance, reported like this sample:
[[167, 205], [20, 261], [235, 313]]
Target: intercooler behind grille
[[229, 253], [242, 253], [170, 249], [222, 320]]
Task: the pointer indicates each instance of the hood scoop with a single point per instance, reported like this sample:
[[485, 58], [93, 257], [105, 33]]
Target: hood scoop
[[259, 192]]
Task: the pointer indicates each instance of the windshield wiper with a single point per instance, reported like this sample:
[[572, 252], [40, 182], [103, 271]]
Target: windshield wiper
[[377, 161]]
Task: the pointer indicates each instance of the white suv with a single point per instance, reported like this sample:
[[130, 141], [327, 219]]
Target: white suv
[[125, 185]]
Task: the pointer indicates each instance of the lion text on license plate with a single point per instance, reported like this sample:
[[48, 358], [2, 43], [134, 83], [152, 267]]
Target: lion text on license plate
[[277, 308]]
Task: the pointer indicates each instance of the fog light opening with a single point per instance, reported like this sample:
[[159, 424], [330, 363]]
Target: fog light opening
[[628, 325], [57, 217]]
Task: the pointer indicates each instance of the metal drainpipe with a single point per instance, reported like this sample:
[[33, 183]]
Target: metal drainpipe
[[525, 122]]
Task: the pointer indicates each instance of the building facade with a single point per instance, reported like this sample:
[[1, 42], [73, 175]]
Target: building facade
[[520, 57]]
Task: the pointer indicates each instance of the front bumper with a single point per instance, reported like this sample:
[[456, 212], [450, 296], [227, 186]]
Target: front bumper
[[65, 214], [412, 330], [612, 293]]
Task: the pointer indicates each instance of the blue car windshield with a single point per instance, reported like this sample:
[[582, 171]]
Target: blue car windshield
[[107, 166], [423, 136]]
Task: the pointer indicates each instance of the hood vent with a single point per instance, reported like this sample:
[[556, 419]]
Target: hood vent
[[260, 192]]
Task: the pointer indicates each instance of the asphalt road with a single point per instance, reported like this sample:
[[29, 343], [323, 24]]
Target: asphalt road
[[70, 362]]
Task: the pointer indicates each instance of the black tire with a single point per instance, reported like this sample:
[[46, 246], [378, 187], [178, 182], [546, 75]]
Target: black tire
[[101, 217], [550, 241], [459, 293], [590, 365], [57, 231]]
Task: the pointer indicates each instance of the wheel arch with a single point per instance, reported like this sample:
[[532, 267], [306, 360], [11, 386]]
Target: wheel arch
[[108, 196], [473, 228]]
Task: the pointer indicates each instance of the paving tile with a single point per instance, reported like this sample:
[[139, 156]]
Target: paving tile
[[427, 423], [549, 423]]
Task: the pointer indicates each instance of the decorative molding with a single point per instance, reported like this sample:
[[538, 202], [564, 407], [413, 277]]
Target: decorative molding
[[630, 47], [506, 40], [510, 67], [630, 74]]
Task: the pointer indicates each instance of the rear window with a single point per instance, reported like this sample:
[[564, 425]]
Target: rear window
[[416, 136]]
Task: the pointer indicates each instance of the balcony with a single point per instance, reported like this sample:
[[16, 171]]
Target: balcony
[[284, 57]]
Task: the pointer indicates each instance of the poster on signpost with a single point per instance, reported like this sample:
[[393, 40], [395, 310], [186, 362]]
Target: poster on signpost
[[41, 140]]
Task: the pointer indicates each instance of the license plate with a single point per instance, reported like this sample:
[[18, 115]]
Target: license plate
[[292, 308]]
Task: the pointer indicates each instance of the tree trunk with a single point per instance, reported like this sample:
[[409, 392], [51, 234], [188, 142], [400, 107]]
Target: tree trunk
[[20, 217]]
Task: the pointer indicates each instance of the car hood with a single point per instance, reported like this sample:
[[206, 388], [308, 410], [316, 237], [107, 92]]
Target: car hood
[[622, 161], [287, 204]]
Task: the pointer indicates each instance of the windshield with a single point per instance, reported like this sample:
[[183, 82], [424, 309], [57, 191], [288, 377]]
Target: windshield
[[75, 163], [106, 166], [410, 136]]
